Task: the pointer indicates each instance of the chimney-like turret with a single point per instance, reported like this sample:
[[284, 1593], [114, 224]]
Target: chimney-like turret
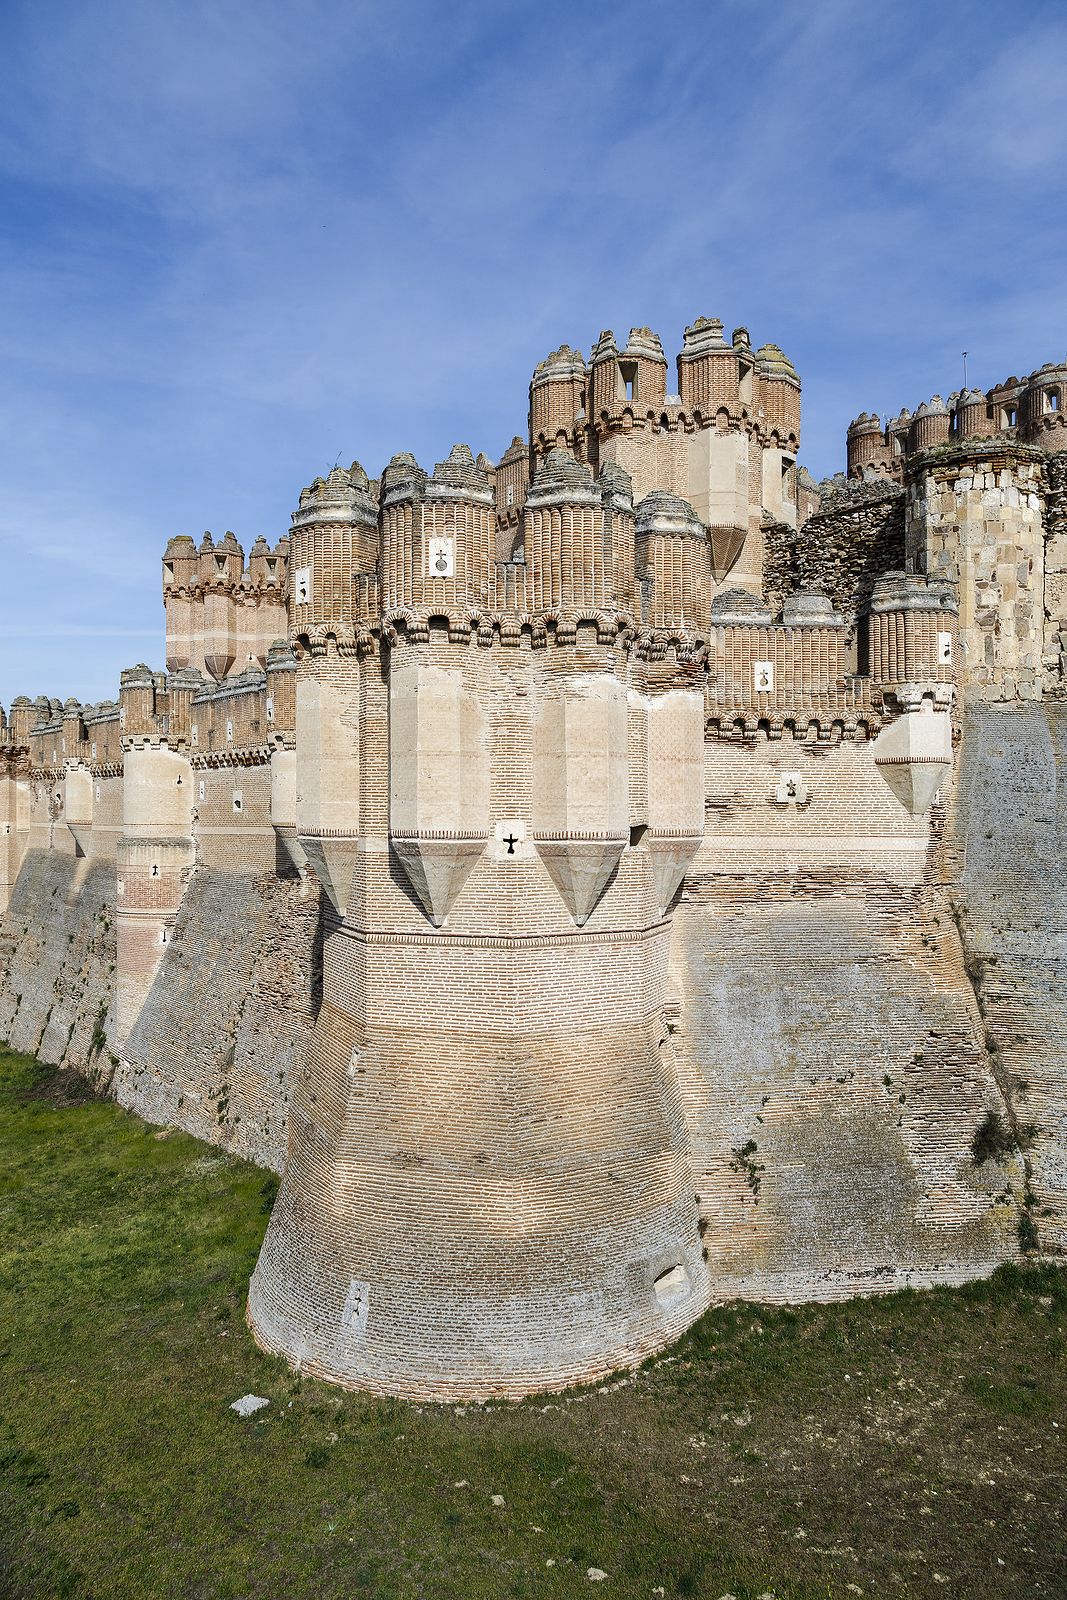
[[673, 565], [221, 570], [929, 425], [557, 396], [333, 550], [607, 392], [182, 603], [866, 444], [707, 369], [643, 369]]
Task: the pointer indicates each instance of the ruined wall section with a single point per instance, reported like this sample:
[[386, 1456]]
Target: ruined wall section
[[229, 1016], [855, 537], [826, 1033], [1011, 824], [57, 961]]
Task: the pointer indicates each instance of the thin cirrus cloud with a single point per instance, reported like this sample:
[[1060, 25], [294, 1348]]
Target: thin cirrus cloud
[[242, 242]]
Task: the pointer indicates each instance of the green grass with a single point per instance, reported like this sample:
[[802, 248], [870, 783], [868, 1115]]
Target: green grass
[[904, 1445]]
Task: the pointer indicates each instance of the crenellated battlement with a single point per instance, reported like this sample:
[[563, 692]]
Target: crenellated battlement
[[1029, 410], [221, 614]]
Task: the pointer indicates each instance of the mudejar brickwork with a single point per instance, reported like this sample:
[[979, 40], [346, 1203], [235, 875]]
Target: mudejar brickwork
[[614, 879]]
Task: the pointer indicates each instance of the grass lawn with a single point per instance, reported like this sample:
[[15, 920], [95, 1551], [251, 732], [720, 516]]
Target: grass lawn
[[904, 1445]]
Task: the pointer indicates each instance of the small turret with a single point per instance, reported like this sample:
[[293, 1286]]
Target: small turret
[[403, 490], [138, 690], [607, 393], [459, 536], [512, 481], [557, 396], [21, 719], [866, 443], [221, 571], [568, 568], [261, 573], [971, 418], [643, 370], [182, 604], [333, 550], [707, 368], [779, 394], [929, 425], [180, 562], [73, 728], [1044, 407], [673, 566]]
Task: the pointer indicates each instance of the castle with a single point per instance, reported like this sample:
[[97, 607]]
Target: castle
[[605, 882]]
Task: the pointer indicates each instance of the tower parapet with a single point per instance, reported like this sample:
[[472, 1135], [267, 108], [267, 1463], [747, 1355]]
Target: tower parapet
[[1031, 410], [929, 425], [672, 568], [333, 552], [219, 617], [868, 448], [557, 398]]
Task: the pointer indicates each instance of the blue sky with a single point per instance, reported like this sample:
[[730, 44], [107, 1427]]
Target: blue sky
[[239, 241]]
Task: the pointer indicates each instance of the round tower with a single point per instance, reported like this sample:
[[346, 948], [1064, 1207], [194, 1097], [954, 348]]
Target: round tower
[[487, 1187], [866, 444], [1044, 407], [970, 417], [673, 566], [557, 396], [707, 369], [929, 425]]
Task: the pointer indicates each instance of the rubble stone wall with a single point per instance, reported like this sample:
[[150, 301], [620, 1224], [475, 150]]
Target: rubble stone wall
[[829, 1043], [1012, 816], [856, 536], [57, 960], [229, 1015]]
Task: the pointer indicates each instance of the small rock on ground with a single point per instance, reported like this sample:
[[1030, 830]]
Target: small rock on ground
[[249, 1404]]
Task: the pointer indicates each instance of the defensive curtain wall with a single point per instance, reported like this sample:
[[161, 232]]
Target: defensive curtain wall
[[603, 883]]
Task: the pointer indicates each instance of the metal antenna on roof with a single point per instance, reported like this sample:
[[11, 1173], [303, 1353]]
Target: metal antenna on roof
[[965, 369]]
